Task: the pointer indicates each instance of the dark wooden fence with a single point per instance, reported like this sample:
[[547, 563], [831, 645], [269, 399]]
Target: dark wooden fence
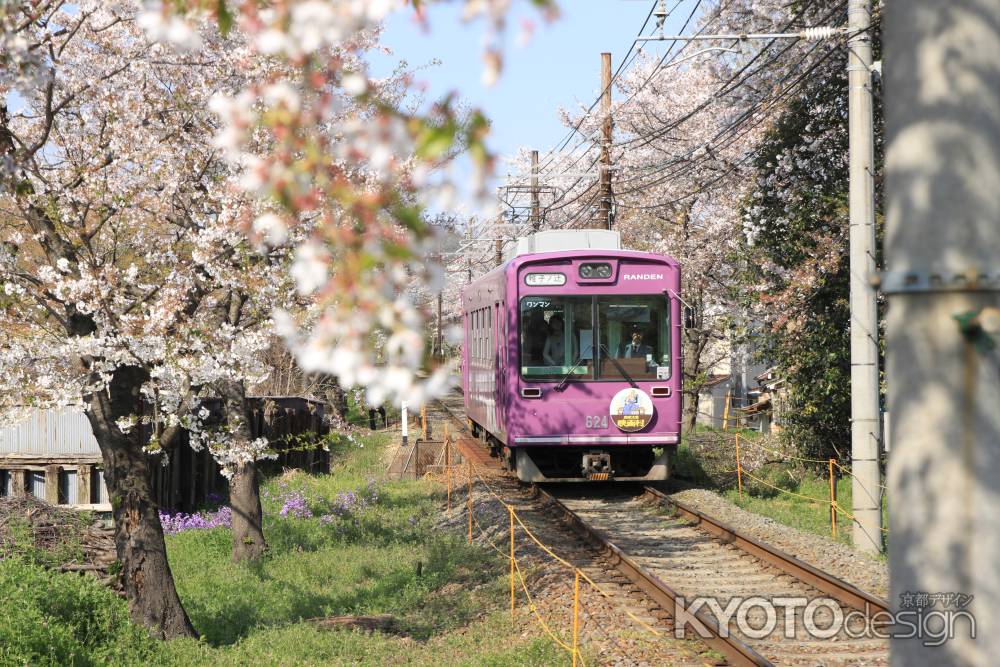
[[293, 425]]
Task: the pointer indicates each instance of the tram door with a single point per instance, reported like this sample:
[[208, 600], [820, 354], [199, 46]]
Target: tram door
[[500, 330]]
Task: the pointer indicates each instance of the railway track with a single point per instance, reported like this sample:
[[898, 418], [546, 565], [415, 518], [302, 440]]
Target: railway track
[[688, 555]]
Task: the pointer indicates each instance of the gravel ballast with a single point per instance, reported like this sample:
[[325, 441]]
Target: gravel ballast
[[840, 560]]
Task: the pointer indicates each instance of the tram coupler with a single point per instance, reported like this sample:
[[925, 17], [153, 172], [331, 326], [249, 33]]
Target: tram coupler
[[597, 466]]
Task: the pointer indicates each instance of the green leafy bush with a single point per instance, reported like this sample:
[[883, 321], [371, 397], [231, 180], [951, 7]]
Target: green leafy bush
[[50, 618]]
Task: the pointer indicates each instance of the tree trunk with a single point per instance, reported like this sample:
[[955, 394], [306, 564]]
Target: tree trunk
[[695, 340], [248, 517], [244, 486], [692, 367], [146, 576], [336, 398]]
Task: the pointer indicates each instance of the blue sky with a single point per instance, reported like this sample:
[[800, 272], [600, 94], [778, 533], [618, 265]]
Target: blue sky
[[559, 67]]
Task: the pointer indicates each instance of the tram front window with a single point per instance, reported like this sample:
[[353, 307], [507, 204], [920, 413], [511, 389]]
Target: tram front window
[[636, 331], [559, 339], [557, 335]]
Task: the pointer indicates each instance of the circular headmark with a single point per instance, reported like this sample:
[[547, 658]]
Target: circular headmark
[[631, 409]]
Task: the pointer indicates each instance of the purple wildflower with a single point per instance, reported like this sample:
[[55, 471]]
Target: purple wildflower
[[295, 505], [180, 522], [350, 502]]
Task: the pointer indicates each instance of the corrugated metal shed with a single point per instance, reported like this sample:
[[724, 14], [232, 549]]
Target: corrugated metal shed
[[51, 433], [36, 484]]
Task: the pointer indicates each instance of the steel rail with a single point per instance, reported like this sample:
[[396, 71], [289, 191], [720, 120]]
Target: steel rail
[[735, 651], [845, 593]]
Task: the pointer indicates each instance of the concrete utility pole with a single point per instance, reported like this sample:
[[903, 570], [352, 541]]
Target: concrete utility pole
[[942, 248], [536, 215], [468, 260], [440, 331], [604, 210], [865, 421]]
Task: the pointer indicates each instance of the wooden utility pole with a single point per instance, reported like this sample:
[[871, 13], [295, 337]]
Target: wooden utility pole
[[604, 210], [942, 280], [499, 253], [536, 215]]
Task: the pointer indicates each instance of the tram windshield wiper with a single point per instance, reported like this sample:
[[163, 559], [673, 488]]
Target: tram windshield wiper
[[569, 373], [611, 358]]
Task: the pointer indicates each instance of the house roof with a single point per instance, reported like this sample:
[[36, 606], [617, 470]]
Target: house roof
[[715, 379], [760, 406], [767, 374]]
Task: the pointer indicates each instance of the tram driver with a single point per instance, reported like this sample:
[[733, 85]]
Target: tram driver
[[636, 349]]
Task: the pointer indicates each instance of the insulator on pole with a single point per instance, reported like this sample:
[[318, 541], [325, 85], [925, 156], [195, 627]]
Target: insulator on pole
[[819, 32]]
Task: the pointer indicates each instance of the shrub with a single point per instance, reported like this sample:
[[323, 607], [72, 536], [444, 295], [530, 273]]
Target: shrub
[[51, 618]]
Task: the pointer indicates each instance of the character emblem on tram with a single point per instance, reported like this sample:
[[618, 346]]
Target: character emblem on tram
[[631, 409]]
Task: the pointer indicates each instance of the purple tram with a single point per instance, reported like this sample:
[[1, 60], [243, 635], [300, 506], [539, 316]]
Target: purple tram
[[571, 366]]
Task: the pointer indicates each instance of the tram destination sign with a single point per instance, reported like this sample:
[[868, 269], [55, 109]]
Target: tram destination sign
[[544, 279]]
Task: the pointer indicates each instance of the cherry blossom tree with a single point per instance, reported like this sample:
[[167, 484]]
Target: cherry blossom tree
[[128, 285], [145, 245], [796, 222], [362, 179]]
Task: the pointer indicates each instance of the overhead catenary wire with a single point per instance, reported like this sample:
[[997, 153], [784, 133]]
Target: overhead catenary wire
[[583, 118], [684, 164], [663, 62], [733, 129], [741, 77]]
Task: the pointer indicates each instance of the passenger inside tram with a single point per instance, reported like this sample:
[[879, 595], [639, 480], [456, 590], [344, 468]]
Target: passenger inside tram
[[554, 352]]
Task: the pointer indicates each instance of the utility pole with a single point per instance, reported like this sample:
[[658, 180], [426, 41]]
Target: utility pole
[[468, 260], [604, 210], [865, 422], [942, 255], [440, 334], [536, 216], [499, 252]]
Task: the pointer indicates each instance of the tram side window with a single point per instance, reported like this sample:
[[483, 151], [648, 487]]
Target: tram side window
[[474, 337], [479, 336]]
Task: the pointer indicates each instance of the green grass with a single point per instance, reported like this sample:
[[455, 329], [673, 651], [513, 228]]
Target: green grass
[[447, 597], [793, 510], [687, 467]]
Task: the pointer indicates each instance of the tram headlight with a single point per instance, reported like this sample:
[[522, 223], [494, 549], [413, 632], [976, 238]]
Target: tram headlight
[[602, 270]]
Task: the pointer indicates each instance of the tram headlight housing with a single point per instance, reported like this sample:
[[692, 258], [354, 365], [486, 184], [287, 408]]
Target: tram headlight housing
[[595, 270]]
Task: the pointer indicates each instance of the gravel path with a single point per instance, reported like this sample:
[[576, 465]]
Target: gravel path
[[867, 573]]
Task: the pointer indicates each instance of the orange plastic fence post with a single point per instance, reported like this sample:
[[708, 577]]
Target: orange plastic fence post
[[510, 510], [468, 472], [833, 501], [576, 615], [739, 468], [447, 462]]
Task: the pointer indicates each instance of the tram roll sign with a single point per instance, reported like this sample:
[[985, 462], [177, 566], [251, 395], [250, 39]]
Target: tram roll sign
[[631, 409]]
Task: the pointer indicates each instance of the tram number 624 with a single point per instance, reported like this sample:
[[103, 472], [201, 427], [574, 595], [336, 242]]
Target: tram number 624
[[597, 421]]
